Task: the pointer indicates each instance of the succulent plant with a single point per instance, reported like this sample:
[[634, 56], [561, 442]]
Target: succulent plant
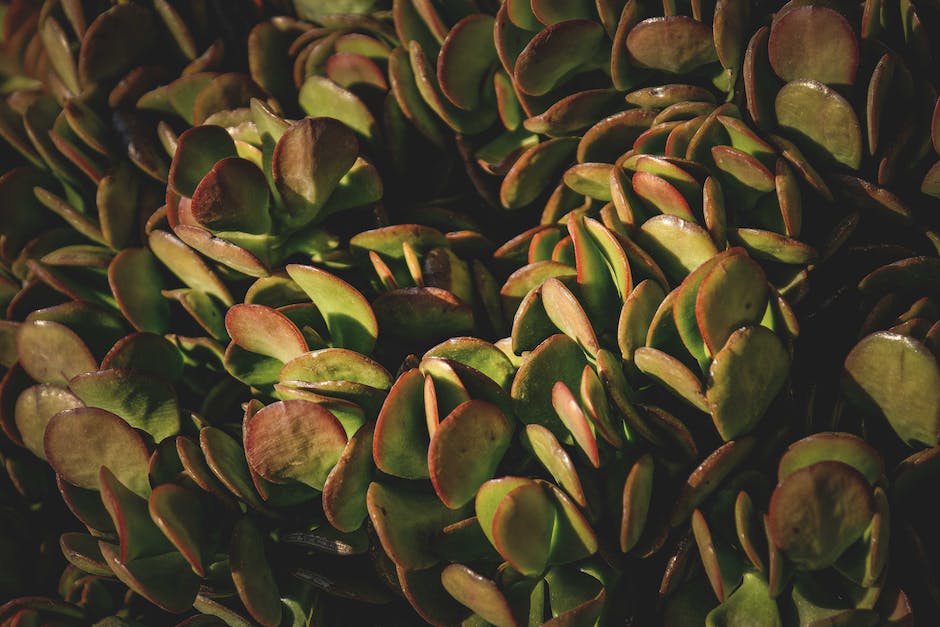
[[469, 312]]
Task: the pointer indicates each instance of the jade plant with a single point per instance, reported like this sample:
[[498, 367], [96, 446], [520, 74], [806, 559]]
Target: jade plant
[[518, 312]]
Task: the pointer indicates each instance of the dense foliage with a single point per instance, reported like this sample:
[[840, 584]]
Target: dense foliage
[[511, 312]]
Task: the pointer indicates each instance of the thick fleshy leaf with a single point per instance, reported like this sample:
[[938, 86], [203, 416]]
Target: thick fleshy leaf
[[832, 134], [144, 401], [35, 407], [898, 377], [479, 594], [556, 461], [556, 53], [831, 446], [401, 435], [252, 574], [573, 113], [309, 160], [564, 310], [637, 493], [594, 401], [913, 275], [637, 313], [51, 352], [707, 477], [522, 527], [336, 364], [573, 538], [187, 265], [198, 149], [81, 550], [466, 58], [691, 44], [113, 42], [347, 313], [558, 358], [321, 98], [813, 42], [225, 457], [232, 196], [479, 355], [745, 377], [135, 280], [179, 514], [428, 313], [294, 440], [344, 492], [772, 246], [465, 450], [468, 122], [406, 521], [106, 441], [572, 416], [221, 250], [679, 246], [751, 602], [733, 294], [660, 196], [605, 141], [817, 512], [590, 179], [673, 374], [165, 580], [265, 331], [530, 175], [138, 535]]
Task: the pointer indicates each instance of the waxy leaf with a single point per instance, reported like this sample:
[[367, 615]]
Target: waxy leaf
[[479, 594], [252, 575], [572, 416], [265, 331], [558, 358], [465, 450], [136, 282], [401, 435], [344, 492], [637, 493], [745, 377], [165, 580], [106, 441], [143, 401], [750, 602], [832, 134], [138, 535], [466, 58], [198, 149], [232, 196], [35, 407], [556, 460], [323, 99], [522, 527], [294, 440], [817, 512], [406, 521], [813, 42], [830, 446], [691, 44], [555, 53], [309, 160], [179, 514], [347, 313], [51, 352], [898, 377], [733, 294]]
